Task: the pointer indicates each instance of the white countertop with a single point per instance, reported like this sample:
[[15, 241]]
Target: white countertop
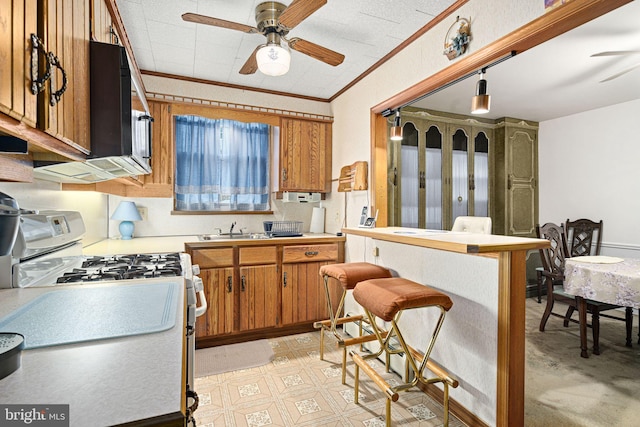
[[105, 382], [163, 244], [147, 245]]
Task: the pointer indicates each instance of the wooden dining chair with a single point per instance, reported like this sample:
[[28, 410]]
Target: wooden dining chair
[[584, 237], [553, 262]]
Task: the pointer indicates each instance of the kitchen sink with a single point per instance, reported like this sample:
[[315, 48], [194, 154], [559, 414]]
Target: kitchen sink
[[223, 236]]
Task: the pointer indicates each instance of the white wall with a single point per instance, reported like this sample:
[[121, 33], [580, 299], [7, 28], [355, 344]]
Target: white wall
[[47, 195], [418, 61], [162, 223], [588, 168]]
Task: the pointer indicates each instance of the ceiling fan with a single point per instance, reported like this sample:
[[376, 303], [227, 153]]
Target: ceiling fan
[[618, 53], [274, 21]]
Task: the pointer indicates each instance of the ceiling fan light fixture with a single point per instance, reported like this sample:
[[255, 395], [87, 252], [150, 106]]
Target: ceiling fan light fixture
[[481, 102], [395, 133], [273, 60]]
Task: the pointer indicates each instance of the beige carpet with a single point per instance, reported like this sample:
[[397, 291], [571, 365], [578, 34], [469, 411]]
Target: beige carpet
[[234, 357], [566, 390]]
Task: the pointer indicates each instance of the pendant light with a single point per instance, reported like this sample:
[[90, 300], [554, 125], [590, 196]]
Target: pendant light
[[481, 102], [272, 58], [396, 130]]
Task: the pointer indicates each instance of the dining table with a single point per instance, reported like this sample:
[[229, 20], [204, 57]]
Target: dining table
[[607, 279]]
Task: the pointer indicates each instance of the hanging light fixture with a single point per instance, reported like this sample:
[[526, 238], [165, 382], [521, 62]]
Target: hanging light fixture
[[272, 58], [481, 102], [396, 129]]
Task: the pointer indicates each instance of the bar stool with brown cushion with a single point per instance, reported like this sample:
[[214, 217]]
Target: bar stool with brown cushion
[[347, 275], [387, 299]]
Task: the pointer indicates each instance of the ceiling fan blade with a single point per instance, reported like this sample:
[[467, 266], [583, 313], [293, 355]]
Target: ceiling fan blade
[[616, 53], [615, 76], [298, 11], [251, 66], [216, 22], [316, 51]]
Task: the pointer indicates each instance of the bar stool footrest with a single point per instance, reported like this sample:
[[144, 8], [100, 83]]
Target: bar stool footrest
[[375, 376], [341, 320]]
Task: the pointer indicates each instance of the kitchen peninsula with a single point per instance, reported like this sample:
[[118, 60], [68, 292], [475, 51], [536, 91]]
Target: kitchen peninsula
[[482, 340]]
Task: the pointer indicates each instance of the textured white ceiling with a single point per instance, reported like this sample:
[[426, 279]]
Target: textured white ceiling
[[362, 30], [553, 80]]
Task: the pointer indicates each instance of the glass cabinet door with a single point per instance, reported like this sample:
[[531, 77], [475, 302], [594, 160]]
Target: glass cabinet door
[[459, 174], [409, 177], [480, 177], [433, 178]]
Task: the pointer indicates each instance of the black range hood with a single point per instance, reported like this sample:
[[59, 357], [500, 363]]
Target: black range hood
[[120, 137]]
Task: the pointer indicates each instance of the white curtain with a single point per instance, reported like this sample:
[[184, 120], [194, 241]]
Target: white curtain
[[434, 188], [460, 184], [481, 177], [409, 186]]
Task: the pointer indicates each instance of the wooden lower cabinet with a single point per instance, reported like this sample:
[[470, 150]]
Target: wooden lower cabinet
[[303, 297], [218, 288], [259, 291]]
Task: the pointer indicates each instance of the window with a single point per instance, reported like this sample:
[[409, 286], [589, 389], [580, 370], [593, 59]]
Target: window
[[222, 165]]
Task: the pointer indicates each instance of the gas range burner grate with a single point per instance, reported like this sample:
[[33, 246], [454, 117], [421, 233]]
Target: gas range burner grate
[[125, 267]]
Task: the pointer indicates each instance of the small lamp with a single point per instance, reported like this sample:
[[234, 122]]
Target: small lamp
[[272, 58], [481, 102], [126, 212], [396, 129]]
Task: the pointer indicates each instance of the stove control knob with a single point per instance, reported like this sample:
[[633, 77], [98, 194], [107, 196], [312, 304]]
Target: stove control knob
[[196, 269]]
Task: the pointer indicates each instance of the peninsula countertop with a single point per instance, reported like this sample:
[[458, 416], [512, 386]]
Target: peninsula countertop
[[461, 242], [105, 382]]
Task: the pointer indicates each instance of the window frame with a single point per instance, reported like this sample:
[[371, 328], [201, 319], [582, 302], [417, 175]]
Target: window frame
[[211, 112]]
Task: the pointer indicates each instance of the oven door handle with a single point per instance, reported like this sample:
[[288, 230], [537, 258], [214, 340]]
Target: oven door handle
[[199, 287]]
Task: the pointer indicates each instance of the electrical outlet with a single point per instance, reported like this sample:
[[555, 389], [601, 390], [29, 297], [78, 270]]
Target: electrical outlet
[[143, 212], [376, 251]]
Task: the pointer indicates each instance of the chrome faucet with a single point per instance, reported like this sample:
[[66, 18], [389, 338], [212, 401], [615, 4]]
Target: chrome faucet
[[233, 224]]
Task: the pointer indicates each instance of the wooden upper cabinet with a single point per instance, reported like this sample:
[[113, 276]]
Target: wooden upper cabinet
[[19, 21], [101, 23], [64, 28], [305, 156]]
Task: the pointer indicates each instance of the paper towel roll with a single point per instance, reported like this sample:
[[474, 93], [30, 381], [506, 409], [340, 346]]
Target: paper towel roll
[[317, 221]]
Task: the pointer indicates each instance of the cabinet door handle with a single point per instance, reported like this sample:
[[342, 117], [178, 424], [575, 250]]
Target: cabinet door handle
[[509, 182], [284, 279], [311, 253], [243, 283], [56, 94], [37, 83], [284, 174], [229, 284]]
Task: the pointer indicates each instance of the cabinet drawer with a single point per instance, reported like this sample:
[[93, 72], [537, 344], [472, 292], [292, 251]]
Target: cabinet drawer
[[308, 253], [258, 255], [208, 258]]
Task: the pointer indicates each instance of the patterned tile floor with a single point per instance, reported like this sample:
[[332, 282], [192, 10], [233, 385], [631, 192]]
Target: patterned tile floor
[[299, 389]]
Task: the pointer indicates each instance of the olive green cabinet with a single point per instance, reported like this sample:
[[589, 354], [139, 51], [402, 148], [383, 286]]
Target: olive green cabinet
[[448, 165], [515, 210], [439, 170]]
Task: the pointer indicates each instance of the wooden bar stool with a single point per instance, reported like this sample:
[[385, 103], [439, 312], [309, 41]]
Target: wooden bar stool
[[348, 275], [388, 299]]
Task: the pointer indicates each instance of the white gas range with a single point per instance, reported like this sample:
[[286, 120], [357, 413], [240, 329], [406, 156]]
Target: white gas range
[[48, 252]]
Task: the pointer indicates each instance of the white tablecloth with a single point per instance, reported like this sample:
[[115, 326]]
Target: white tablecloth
[[611, 282]]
